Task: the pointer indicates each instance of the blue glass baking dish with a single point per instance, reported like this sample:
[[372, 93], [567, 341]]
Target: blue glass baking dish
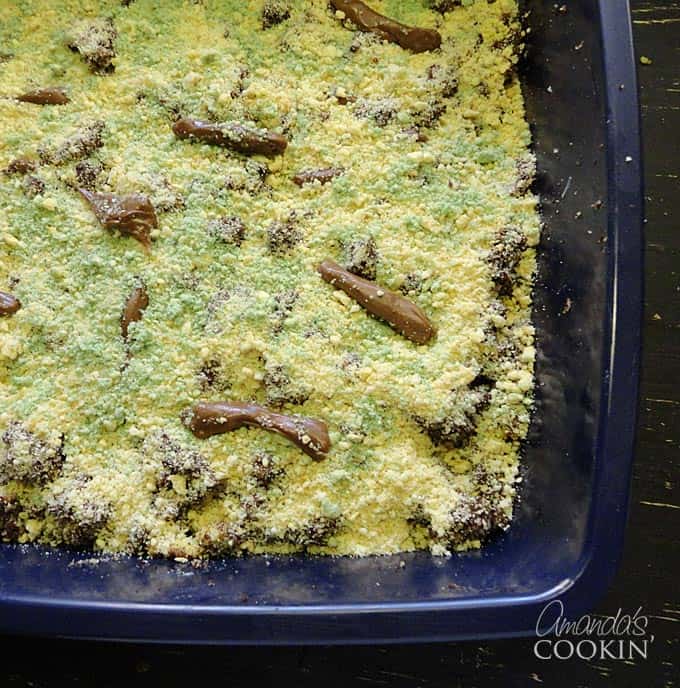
[[579, 81]]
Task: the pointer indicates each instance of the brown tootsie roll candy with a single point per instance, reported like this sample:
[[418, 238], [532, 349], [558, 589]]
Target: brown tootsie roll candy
[[232, 135], [133, 310], [400, 313], [9, 304], [411, 38], [214, 418], [132, 215], [52, 95]]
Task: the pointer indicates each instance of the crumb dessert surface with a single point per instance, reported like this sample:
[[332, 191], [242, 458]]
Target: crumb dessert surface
[[409, 169]]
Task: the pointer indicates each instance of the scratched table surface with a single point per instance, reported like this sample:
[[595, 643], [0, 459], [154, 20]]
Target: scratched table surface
[[648, 577]]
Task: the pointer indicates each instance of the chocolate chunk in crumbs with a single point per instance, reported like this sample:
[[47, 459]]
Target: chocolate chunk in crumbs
[[206, 419], [401, 314], [132, 215], [133, 310], [45, 96], [9, 304], [412, 38]]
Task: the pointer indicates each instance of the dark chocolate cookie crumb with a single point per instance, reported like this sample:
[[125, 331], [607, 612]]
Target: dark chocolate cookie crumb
[[19, 166], [316, 533], [361, 258], [457, 427], [526, 173], [479, 516], [79, 514], [381, 111], [138, 540], [265, 469], [283, 236], [350, 362], [507, 250], [223, 539], [79, 146], [274, 12], [241, 81], [412, 284], [283, 305], [87, 173], [10, 528], [280, 390], [443, 6], [361, 40], [419, 518], [444, 80], [183, 476], [428, 117], [96, 44], [33, 186], [27, 458], [210, 376], [229, 230], [253, 181]]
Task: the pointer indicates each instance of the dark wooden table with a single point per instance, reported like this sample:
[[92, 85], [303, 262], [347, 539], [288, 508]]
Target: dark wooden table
[[648, 577]]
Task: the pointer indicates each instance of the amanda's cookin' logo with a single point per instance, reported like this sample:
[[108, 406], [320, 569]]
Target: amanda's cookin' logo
[[622, 636]]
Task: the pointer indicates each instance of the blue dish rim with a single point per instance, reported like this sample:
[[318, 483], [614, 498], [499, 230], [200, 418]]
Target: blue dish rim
[[500, 616]]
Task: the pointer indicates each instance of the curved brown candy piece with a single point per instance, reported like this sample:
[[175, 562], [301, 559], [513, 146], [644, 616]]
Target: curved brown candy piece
[[9, 304], [232, 135], [323, 175], [399, 313], [45, 96], [132, 215], [206, 419], [410, 37], [134, 308]]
